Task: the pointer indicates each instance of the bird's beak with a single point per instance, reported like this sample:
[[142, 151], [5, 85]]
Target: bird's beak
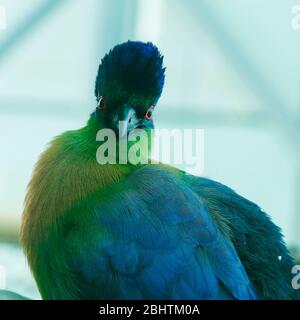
[[125, 121]]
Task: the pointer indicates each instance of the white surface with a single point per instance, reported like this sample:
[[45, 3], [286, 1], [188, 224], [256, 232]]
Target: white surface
[[15, 272]]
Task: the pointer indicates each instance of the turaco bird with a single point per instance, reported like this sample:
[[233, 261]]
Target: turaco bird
[[142, 231]]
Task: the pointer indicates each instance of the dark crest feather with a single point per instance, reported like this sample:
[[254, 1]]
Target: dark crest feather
[[130, 68]]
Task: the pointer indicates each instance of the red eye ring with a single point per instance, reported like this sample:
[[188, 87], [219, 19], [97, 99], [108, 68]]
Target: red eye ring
[[102, 104], [148, 115]]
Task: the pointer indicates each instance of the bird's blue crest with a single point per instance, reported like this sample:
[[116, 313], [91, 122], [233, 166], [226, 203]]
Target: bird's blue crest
[[131, 68]]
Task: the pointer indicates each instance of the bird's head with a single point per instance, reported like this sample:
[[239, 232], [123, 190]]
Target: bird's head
[[129, 83]]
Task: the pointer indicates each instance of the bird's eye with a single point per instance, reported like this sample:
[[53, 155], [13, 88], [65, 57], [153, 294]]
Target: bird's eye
[[102, 104], [149, 112]]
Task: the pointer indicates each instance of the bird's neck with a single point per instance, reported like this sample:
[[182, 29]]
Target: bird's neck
[[66, 174]]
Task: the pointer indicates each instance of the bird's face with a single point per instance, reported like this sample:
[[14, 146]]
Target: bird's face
[[129, 83], [126, 115]]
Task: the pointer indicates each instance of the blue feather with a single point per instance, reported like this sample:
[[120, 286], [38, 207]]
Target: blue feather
[[158, 241]]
